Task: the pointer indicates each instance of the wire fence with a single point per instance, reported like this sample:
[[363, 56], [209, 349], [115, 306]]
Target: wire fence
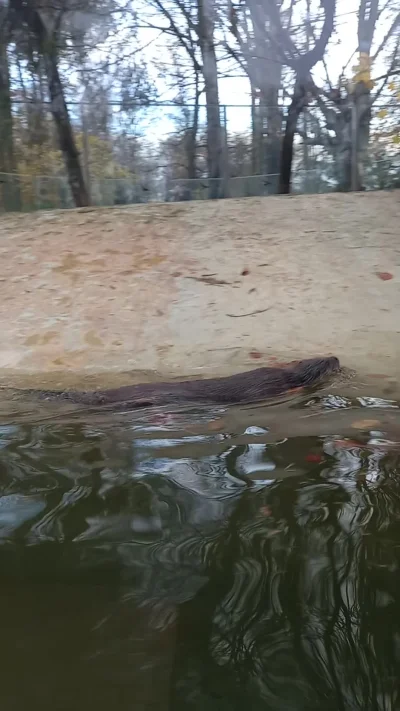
[[159, 153]]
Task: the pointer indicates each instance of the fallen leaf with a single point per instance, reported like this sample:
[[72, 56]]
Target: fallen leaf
[[255, 354], [209, 280], [373, 446], [160, 419], [245, 272], [347, 443], [314, 458], [216, 425], [385, 276], [365, 424]]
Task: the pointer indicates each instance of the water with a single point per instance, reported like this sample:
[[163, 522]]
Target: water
[[201, 558]]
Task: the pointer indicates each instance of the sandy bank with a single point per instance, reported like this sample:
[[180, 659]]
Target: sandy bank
[[173, 290]]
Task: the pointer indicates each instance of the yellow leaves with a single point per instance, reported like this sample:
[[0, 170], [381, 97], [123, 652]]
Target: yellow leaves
[[100, 158], [41, 158], [365, 424], [390, 128], [362, 71], [394, 87], [382, 113], [40, 165], [38, 159]]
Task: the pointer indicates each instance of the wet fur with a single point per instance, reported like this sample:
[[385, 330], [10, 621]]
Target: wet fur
[[252, 386]]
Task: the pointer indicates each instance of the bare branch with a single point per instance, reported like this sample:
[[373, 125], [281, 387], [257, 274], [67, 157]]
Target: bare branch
[[186, 44], [389, 73], [390, 32]]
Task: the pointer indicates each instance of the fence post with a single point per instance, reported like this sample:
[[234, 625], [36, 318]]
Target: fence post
[[225, 168], [354, 143], [306, 165], [85, 151], [36, 179]]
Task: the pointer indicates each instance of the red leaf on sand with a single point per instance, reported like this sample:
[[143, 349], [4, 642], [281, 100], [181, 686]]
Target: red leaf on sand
[[255, 354], [160, 419], [385, 276], [216, 425], [245, 272], [313, 458], [347, 443], [365, 424]]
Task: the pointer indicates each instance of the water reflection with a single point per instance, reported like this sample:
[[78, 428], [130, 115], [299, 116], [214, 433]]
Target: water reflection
[[202, 559]]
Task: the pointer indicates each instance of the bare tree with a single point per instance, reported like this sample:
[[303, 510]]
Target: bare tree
[[206, 25], [346, 109], [362, 104], [193, 25], [6, 147], [44, 30], [265, 50], [302, 64], [7, 158], [258, 57], [184, 78]]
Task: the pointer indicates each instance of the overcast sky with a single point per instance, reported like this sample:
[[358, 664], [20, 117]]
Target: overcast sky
[[341, 50]]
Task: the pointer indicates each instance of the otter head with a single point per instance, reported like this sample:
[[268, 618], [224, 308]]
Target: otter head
[[312, 370]]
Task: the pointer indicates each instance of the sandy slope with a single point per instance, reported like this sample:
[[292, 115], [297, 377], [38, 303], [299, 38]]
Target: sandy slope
[[203, 287]]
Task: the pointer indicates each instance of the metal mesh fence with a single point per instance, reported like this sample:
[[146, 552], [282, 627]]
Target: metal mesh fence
[[136, 155]]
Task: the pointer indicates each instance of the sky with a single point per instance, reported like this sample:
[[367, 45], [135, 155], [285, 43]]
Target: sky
[[157, 123], [342, 50]]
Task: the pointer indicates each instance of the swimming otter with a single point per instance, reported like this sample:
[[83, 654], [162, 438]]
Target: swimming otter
[[253, 386]]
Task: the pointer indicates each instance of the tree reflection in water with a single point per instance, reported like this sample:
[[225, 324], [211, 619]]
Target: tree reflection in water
[[174, 583]]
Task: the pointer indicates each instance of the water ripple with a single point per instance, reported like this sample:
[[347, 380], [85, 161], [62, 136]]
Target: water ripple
[[236, 556]]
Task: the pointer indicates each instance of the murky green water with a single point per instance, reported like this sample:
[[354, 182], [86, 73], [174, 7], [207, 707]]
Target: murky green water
[[243, 559]]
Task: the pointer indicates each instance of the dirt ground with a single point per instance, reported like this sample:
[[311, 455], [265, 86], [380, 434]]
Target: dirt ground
[[112, 295]]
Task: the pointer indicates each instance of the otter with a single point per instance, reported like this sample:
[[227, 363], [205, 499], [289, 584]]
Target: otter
[[243, 388]]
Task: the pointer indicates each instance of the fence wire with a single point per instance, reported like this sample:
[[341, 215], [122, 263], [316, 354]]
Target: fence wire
[[134, 155]]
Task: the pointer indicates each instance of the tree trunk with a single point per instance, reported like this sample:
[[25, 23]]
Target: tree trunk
[[294, 111], [191, 145], [47, 48], [364, 115], [9, 181], [61, 118], [367, 19], [254, 126], [6, 143], [302, 65], [206, 12], [273, 144]]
